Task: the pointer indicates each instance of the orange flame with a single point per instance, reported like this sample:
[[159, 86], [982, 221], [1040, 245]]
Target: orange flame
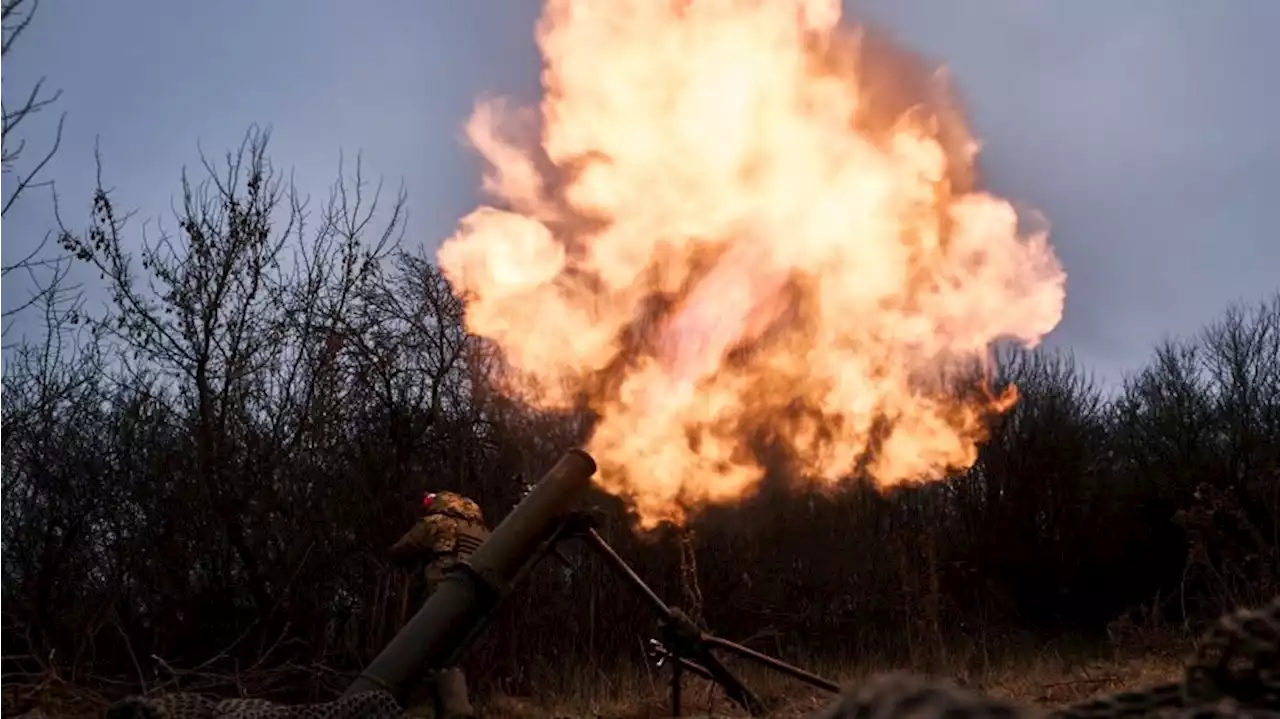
[[736, 225]]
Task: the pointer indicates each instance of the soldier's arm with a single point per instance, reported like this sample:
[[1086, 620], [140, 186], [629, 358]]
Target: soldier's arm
[[417, 544], [412, 546]]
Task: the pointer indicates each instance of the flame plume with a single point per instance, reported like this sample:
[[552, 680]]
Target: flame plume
[[739, 221]]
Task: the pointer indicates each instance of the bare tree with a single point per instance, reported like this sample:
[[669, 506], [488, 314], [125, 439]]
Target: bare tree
[[47, 273], [236, 316], [17, 19]]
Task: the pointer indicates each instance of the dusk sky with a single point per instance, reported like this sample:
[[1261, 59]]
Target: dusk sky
[[1141, 129]]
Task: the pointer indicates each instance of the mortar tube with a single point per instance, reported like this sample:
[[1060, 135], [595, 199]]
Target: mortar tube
[[447, 619]]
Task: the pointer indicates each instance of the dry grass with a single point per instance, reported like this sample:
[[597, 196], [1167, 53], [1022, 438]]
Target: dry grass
[[1051, 678], [1047, 677]]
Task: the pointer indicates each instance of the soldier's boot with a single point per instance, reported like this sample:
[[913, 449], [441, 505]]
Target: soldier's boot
[[452, 701]]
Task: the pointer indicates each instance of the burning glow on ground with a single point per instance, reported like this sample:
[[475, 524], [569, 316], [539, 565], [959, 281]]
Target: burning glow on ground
[[736, 224]]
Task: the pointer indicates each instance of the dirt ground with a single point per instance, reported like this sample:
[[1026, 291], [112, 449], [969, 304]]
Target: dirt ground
[[1049, 678], [1045, 680]]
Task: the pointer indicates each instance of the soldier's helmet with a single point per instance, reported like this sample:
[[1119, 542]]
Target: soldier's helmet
[[452, 504]]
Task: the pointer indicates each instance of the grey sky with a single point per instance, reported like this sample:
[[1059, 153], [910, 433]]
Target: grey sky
[[1140, 128]]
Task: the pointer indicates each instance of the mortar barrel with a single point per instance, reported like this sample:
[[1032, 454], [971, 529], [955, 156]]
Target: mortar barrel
[[436, 632]]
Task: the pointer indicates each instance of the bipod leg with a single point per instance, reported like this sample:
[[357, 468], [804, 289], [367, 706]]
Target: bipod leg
[[773, 663], [686, 638], [687, 643], [677, 678]]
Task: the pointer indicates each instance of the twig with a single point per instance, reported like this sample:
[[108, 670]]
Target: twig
[[128, 645]]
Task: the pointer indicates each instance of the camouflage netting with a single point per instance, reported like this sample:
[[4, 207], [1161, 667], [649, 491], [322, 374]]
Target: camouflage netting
[[1236, 673], [367, 705]]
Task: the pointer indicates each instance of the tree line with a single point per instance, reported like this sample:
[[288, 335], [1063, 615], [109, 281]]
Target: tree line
[[200, 478]]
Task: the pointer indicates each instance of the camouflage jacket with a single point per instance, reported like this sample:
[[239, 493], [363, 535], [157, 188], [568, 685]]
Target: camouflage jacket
[[451, 529]]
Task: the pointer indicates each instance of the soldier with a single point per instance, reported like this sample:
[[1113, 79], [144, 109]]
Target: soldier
[[451, 528]]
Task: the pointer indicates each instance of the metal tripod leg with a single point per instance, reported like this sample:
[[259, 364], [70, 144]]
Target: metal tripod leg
[[688, 643], [686, 638], [677, 682]]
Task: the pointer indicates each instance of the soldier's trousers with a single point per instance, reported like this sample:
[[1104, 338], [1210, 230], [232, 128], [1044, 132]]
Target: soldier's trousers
[[451, 697], [448, 685], [447, 689]]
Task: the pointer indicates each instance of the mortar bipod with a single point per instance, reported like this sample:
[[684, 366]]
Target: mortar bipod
[[686, 645]]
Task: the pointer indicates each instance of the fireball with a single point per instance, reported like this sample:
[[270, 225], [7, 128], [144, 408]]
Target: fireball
[[739, 228]]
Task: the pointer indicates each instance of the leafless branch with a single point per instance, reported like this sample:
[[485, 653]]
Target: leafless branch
[[17, 18]]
